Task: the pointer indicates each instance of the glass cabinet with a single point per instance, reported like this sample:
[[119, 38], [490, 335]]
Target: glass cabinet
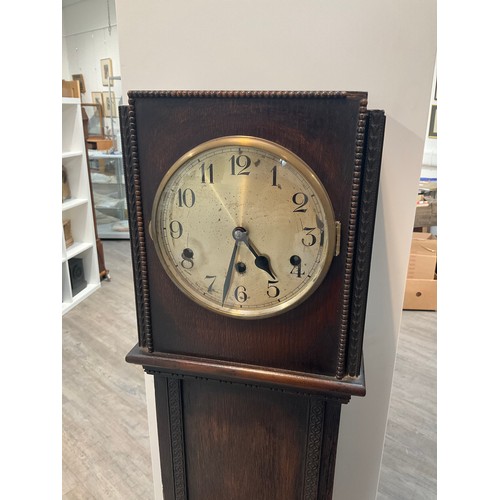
[[108, 186]]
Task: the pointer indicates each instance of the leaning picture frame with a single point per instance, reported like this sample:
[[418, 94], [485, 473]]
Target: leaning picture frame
[[79, 78], [97, 98], [106, 72]]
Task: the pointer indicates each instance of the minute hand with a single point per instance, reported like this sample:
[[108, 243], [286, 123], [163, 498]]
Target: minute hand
[[229, 273], [261, 261]]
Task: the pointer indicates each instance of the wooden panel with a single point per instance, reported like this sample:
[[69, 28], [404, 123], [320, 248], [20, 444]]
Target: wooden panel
[[231, 441], [243, 444], [326, 131]]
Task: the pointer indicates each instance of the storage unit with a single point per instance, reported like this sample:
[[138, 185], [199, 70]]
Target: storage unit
[[421, 279], [80, 271], [108, 187]]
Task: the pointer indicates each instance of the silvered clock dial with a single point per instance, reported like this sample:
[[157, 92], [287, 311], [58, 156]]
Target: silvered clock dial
[[244, 227]]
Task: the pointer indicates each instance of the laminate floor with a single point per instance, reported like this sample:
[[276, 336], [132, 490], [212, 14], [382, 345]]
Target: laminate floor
[[409, 461], [105, 443]]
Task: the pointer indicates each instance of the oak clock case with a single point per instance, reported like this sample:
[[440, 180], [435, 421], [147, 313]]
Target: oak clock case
[[251, 217]]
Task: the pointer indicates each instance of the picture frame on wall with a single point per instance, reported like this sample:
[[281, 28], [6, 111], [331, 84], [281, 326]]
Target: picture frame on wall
[[106, 72], [109, 100], [433, 122]]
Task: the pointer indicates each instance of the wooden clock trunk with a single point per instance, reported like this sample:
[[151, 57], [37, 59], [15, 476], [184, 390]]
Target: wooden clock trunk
[[250, 409]]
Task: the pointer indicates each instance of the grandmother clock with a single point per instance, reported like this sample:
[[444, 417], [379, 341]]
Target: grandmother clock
[[251, 217]]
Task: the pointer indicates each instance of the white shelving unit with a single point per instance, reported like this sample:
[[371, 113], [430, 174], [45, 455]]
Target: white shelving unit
[[78, 210]]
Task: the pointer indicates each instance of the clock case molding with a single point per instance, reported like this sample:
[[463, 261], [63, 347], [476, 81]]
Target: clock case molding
[[309, 357]]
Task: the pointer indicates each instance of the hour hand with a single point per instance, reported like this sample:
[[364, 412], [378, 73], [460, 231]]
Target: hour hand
[[261, 261]]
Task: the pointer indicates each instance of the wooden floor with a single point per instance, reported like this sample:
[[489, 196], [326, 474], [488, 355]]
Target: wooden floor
[[105, 440]]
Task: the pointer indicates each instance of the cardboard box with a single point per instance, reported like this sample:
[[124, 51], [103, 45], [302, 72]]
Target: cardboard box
[[423, 244], [421, 279], [426, 215], [421, 267], [420, 295], [70, 88], [423, 256]]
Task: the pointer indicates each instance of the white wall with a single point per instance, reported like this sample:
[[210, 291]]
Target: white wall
[[387, 48]]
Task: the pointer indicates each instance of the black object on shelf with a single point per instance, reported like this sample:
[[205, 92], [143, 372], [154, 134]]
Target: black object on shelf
[[77, 275]]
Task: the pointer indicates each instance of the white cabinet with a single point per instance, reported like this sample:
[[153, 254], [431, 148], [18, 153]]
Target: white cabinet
[[80, 270]]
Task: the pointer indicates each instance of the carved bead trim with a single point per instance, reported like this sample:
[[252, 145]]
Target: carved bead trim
[[137, 229], [370, 183], [351, 240], [241, 93], [313, 451], [177, 438]]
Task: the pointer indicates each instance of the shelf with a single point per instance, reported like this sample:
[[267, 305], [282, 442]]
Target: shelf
[[73, 202], [71, 101], [89, 289], [106, 232], [101, 155], [71, 154], [75, 249]]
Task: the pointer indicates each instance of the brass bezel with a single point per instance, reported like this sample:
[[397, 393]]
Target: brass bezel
[[309, 175]]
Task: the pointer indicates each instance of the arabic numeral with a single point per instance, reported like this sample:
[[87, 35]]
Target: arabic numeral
[[296, 262], [210, 288], [241, 162], [240, 294], [187, 258], [300, 199], [311, 238], [272, 290], [186, 197], [207, 173], [176, 230], [275, 175]]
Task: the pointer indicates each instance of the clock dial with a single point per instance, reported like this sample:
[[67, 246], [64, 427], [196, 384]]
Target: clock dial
[[243, 227]]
